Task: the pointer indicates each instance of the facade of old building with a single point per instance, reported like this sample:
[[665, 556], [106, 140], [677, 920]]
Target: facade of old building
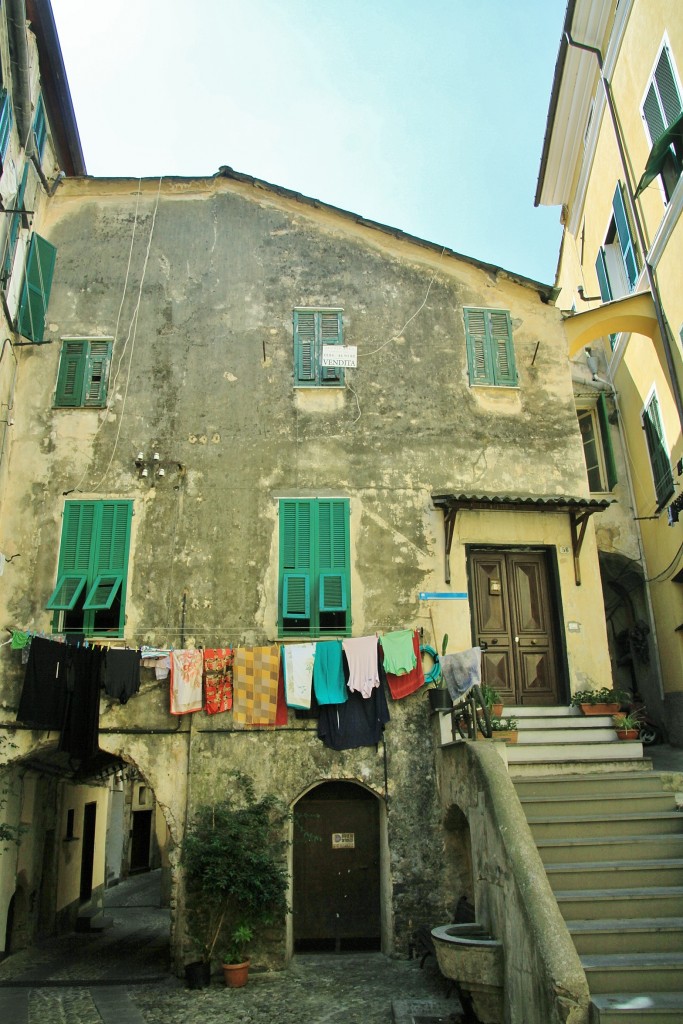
[[612, 159], [248, 419]]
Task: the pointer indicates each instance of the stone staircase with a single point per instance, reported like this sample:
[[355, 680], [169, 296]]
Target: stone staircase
[[611, 840]]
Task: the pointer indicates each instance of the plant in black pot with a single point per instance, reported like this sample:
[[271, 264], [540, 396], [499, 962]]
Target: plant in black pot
[[437, 692], [234, 862]]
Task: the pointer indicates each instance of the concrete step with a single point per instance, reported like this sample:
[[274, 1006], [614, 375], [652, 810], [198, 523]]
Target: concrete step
[[611, 848], [564, 723], [588, 784], [642, 972], [604, 904], [634, 874], [553, 804], [643, 1008], [539, 769], [616, 750], [584, 825], [619, 935], [529, 711], [93, 921], [567, 734]]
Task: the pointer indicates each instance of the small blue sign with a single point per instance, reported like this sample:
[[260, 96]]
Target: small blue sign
[[448, 595]]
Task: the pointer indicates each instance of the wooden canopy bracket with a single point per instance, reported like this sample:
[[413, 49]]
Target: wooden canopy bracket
[[578, 521], [449, 517]]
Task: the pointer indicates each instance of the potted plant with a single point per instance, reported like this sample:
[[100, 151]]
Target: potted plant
[[493, 699], [234, 864], [504, 729], [437, 692], [604, 701], [627, 726], [235, 959]]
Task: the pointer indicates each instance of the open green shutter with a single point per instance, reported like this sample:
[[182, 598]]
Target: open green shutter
[[478, 348], [103, 591], [659, 457], [78, 526], [5, 122], [96, 371], [66, 593], [330, 334], [35, 293], [296, 596], [503, 353], [72, 369], [610, 464], [304, 344], [628, 251], [603, 276]]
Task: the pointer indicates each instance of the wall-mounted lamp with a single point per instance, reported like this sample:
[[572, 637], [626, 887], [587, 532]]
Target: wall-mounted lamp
[[591, 362]]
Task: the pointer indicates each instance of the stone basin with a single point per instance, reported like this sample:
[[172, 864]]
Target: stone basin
[[468, 955]]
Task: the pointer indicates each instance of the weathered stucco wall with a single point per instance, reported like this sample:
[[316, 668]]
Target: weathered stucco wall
[[203, 373]]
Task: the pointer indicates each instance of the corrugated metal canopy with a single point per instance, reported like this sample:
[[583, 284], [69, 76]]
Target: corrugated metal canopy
[[518, 502]]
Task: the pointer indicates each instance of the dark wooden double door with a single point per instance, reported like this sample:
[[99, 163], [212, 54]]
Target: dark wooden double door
[[514, 624]]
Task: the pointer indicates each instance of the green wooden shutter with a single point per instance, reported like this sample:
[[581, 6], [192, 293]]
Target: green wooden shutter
[[35, 293], [111, 554], [659, 457], [296, 547], [653, 114], [71, 375], [503, 353], [603, 276], [39, 128], [333, 554], [607, 448], [15, 224], [478, 347], [5, 122], [304, 345], [78, 526], [296, 596], [332, 592], [95, 373], [330, 334], [625, 238]]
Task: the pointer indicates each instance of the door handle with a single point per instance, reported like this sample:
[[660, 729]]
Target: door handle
[[516, 639]]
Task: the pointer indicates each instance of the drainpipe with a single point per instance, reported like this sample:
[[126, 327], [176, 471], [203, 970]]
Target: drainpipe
[[21, 86], [652, 284], [10, 404]]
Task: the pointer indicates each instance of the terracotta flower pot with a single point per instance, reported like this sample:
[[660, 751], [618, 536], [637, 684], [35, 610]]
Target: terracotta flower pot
[[628, 734], [236, 975], [505, 735], [600, 709], [497, 710]]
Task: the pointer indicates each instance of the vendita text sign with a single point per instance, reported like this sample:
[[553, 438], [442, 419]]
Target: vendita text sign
[[340, 355]]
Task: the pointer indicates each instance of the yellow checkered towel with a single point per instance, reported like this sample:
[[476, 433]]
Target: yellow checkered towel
[[254, 685]]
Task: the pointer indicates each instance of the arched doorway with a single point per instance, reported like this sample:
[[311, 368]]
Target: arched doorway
[[337, 870]]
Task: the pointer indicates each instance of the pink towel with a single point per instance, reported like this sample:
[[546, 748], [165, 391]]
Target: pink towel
[[361, 655]]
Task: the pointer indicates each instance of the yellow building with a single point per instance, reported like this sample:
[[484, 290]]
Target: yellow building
[[612, 159]]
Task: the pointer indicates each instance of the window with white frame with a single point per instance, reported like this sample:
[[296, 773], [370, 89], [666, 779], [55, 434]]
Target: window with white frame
[[597, 446], [658, 451], [662, 112], [616, 265]]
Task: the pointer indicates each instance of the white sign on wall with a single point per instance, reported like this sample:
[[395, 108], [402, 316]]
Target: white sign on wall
[[340, 355]]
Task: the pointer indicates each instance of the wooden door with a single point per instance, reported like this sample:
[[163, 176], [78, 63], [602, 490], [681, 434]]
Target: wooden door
[[513, 623], [336, 870]]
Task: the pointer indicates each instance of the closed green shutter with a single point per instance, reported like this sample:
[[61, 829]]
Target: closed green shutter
[[96, 370], [5, 122], [659, 456], [607, 448], [628, 251], [332, 592], [296, 596], [35, 293], [39, 128], [72, 370], [490, 351], [112, 546], [330, 334], [304, 345]]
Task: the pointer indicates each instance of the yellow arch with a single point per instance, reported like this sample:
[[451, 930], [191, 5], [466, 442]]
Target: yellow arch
[[634, 314]]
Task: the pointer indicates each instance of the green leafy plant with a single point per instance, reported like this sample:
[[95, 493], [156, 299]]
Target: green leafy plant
[[235, 951], [234, 862], [490, 696], [508, 724], [601, 696], [629, 721]]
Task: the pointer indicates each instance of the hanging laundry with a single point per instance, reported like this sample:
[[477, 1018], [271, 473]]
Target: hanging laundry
[[461, 671], [399, 655], [255, 676], [162, 668], [403, 685], [357, 723], [186, 681], [19, 640], [218, 680], [361, 655], [80, 731], [121, 673], [329, 684], [43, 696], [282, 713], [298, 659]]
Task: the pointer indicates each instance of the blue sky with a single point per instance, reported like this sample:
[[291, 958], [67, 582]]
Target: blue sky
[[426, 116]]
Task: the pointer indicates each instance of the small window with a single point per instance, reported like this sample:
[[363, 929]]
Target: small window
[[83, 372], [490, 352], [314, 594], [39, 128], [658, 452], [313, 329], [597, 446]]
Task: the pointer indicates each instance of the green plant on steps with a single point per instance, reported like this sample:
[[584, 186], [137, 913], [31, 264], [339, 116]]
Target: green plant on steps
[[630, 721], [490, 696], [605, 695], [508, 724], [235, 951]]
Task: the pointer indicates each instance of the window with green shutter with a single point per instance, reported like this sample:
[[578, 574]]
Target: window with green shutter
[[314, 576], [658, 452], [15, 223], [89, 597], [39, 128], [490, 352], [35, 293], [597, 446], [83, 373], [314, 328], [5, 123], [662, 112]]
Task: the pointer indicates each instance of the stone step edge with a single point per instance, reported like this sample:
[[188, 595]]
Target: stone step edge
[[616, 865], [616, 1001], [676, 837], [630, 924], [650, 892], [630, 961], [580, 818]]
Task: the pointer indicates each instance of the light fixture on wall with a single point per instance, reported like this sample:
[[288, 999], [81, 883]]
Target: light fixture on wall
[[591, 362]]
